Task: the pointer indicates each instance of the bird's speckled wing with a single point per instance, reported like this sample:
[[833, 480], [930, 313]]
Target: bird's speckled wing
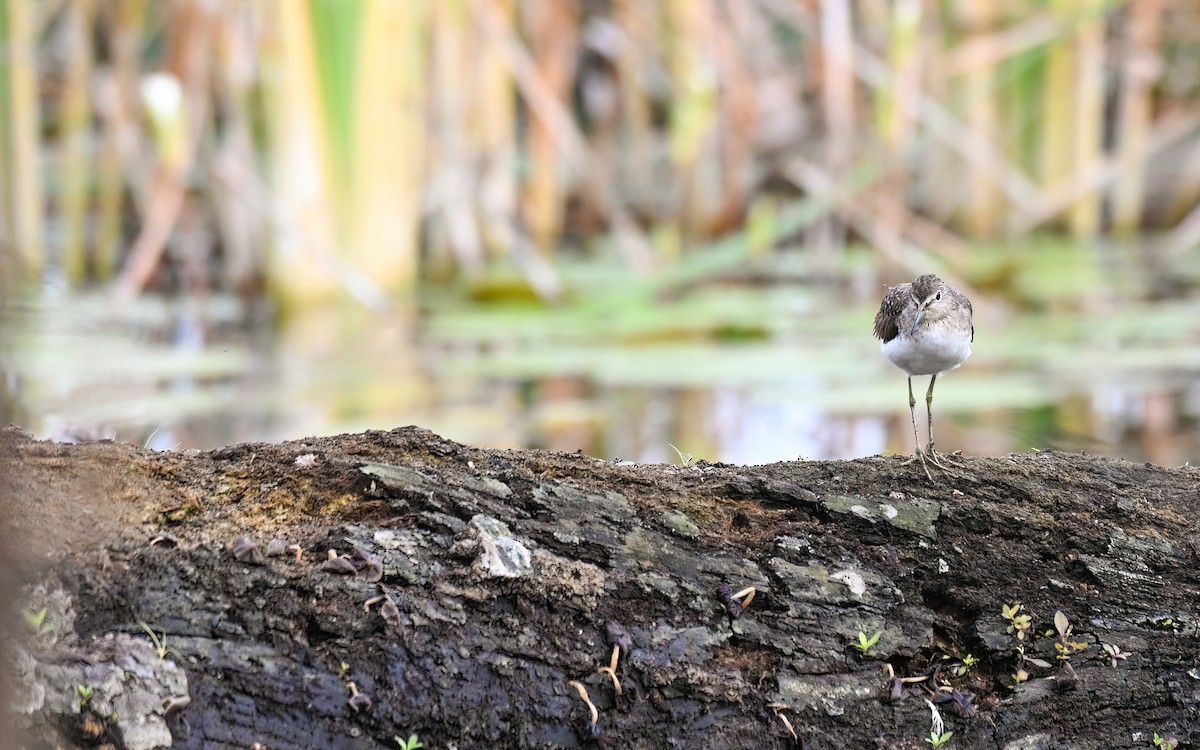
[[970, 312], [887, 320]]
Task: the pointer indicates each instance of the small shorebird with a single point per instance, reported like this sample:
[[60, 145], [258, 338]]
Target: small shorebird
[[925, 328]]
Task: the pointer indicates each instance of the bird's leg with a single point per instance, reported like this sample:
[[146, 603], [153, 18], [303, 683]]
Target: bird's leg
[[929, 414], [912, 412], [933, 454]]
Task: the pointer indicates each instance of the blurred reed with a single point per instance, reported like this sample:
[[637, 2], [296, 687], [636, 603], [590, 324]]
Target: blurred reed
[[324, 147]]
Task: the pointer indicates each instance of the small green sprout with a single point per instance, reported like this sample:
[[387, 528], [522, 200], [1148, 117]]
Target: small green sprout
[[343, 668], [1164, 742], [937, 740], [1022, 658], [412, 743], [160, 643], [1066, 650], [1020, 676], [965, 666], [1114, 653], [1166, 623], [36, 620], [1018, 623], [85, 693], [864, 643], [1065, 646], [685, 458]]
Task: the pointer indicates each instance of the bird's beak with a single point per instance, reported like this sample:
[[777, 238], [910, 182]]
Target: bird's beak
[[917, 320]]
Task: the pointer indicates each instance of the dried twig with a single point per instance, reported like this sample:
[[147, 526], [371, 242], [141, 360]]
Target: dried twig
[[583, 693]]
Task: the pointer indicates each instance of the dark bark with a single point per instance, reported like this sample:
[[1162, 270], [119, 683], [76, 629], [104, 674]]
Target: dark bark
[[507, 574]]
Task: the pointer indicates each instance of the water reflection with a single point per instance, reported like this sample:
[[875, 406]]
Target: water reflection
[[175, 376]]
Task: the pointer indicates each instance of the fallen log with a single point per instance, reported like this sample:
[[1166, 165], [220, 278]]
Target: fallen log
[[356, 590]]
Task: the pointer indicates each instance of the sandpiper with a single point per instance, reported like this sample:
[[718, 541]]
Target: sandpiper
[[925, 328]]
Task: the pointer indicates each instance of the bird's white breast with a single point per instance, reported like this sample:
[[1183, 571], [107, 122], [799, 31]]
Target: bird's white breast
[[937, 349]]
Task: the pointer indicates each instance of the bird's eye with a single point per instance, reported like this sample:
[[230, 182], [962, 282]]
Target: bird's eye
[[937, 296]]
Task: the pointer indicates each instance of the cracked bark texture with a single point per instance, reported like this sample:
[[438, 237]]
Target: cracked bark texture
[[470, 586]]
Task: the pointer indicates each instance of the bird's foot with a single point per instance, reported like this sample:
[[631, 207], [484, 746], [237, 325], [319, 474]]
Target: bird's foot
[[934, 457], [937, 460], [942, 461], [919, 456]]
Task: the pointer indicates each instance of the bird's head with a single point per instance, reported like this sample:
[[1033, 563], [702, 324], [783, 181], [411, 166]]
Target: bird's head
[[929, 292]]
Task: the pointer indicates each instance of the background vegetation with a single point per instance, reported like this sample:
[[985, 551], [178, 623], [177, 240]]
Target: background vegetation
[[671, 214], [325, 146]]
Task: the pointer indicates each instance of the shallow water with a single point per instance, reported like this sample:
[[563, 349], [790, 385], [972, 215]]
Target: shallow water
[[738, 373]]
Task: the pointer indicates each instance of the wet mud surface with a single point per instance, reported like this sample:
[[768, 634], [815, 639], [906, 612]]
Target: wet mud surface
[[230, 597]]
